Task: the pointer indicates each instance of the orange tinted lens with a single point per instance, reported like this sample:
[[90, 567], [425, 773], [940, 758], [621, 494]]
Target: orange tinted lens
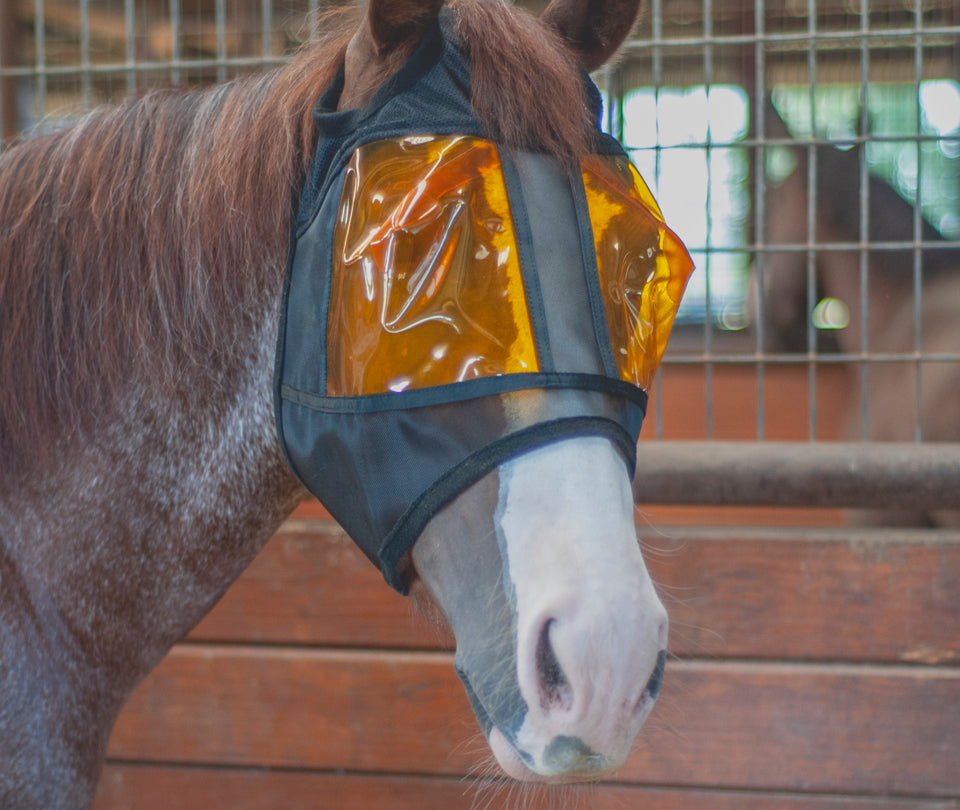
[[643, 265], [426, 287]]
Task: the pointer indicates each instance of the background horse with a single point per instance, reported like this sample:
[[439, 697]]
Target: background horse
[[141, 264], [891, 320]]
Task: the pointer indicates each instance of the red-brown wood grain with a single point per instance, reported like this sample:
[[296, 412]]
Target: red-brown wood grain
[[819, 727], [137, 787], [830, 594], [312, 585], [681, 394]]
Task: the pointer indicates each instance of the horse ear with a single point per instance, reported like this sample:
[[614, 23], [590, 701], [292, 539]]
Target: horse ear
[[389, 32], [594, 29], [399, 24]]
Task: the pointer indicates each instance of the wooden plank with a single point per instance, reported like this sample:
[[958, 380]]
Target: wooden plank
[[312, 585], [682, 395], [745, 593], [137, 787], [890, 730], [854, 595], [669, 515], [823, 728], [300, 708]]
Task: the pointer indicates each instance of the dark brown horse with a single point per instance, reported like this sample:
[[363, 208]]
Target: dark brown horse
[[141, 266], [888, 324]]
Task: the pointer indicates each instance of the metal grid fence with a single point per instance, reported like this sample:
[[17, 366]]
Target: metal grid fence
[[860, 100], [807, 152]]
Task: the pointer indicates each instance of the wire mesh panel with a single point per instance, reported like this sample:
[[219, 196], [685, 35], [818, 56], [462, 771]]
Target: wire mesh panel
[[808, 154]]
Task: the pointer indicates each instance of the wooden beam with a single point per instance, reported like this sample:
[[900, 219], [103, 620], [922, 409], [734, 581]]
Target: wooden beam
[[822, 594], [869, 475], [825, 728], [149, 787]]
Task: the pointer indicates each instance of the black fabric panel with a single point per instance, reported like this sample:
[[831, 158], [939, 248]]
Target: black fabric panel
[[473, 468], [530, 407], [383, 475], [367, 469], [606, 144], [556, 235], [430, 94], [304, 333], [523, 238]]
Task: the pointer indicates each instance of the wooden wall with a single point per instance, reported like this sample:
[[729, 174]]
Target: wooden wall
[[812, 667]]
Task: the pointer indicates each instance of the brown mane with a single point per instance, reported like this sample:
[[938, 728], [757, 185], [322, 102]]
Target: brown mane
[[527, 89], [125, 238]]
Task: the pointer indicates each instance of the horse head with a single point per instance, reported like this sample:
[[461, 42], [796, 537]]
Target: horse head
[[494, 304], [814, 224], [478, 290]]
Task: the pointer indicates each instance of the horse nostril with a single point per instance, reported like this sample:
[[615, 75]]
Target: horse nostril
[[555, 689], [656, 679]]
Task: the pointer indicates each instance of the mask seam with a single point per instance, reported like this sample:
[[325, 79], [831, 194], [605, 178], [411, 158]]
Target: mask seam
[[460, 391]]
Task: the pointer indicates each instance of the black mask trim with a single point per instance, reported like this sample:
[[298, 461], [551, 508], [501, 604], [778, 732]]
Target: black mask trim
[[477, 465], [461, 391]]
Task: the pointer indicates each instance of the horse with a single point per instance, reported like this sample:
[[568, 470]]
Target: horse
[[142, 266], [891, 387]]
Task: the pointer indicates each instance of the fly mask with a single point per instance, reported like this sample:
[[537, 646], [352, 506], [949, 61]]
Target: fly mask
[[436, 279]]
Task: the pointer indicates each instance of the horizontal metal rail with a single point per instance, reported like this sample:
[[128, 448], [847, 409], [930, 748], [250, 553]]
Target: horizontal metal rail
[[919, 477], [155, 66], [876, 36]]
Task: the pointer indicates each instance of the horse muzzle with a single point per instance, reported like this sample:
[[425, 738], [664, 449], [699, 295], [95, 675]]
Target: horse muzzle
[[588, 681], [561, 636]]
